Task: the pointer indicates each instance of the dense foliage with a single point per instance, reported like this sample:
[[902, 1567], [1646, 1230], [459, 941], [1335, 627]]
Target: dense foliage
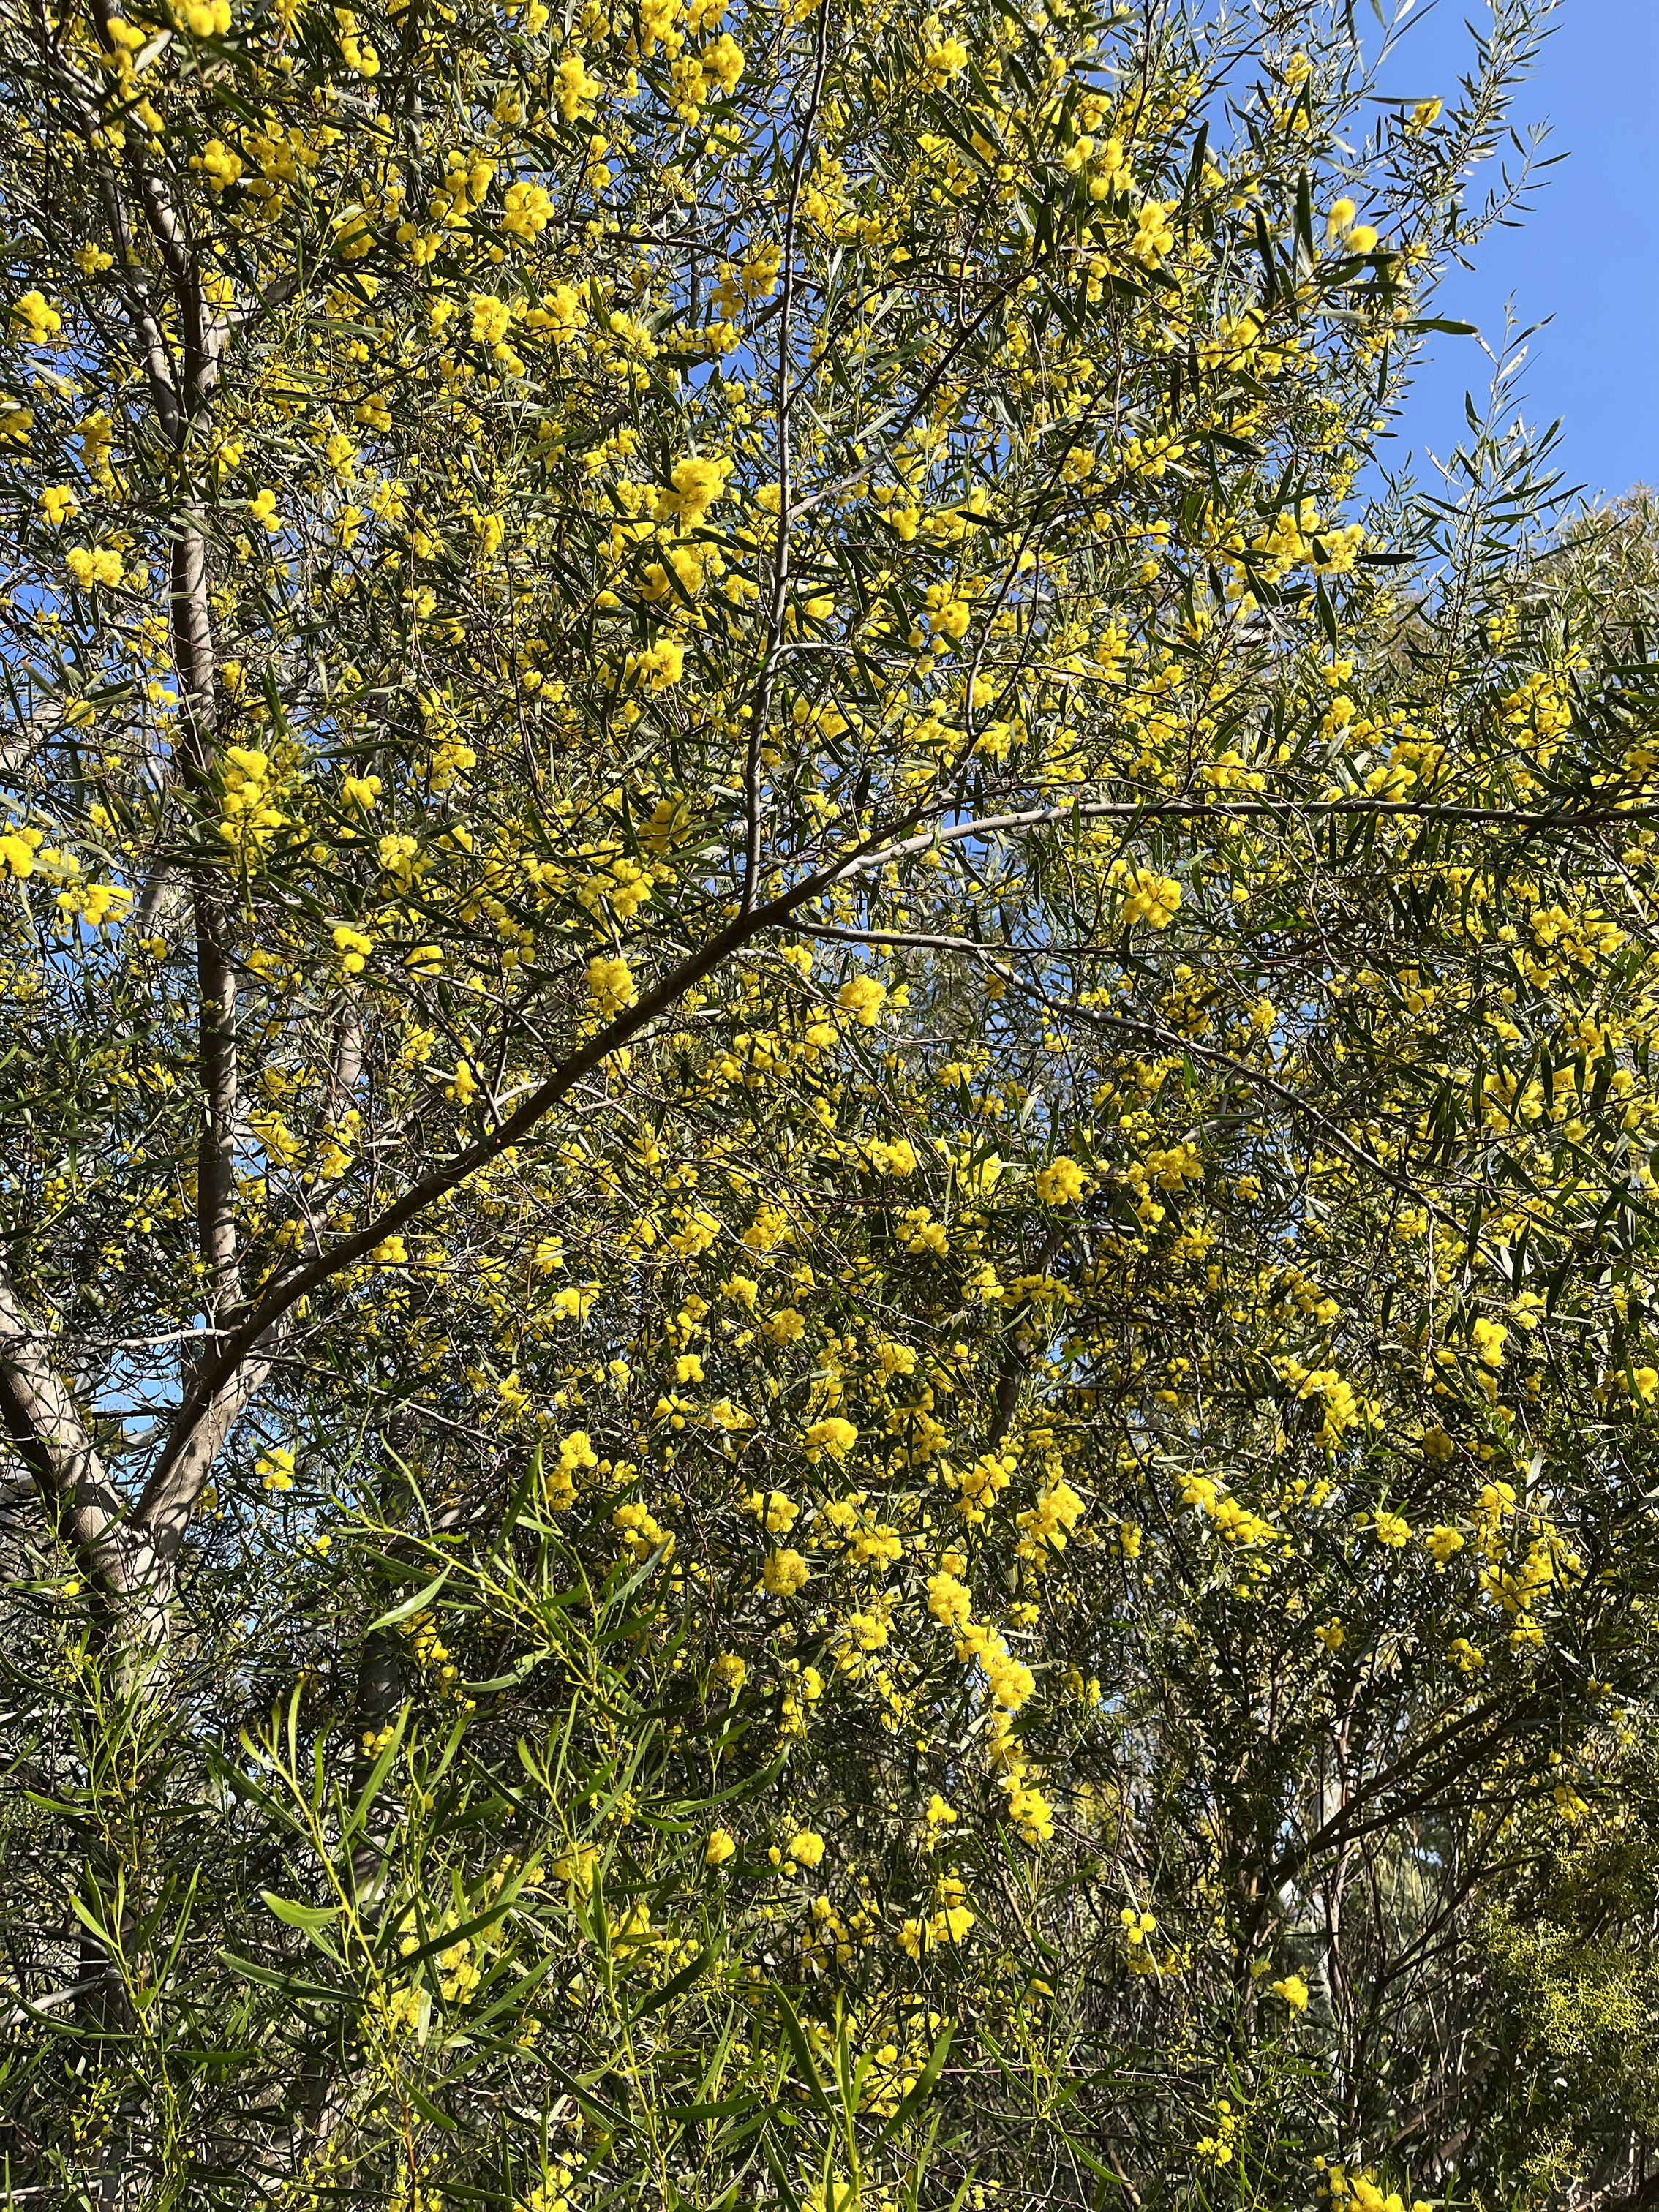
[[827, 1307]]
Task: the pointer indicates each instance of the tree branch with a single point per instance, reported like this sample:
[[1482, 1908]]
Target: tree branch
[[44, 1426]]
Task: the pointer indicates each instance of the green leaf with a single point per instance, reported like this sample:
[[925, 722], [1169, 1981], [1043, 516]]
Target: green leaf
[[311, 1918], [292, 1986], [693, 1970], [410, 1606], [424, 2105], [920, 2088], [742, 2101]]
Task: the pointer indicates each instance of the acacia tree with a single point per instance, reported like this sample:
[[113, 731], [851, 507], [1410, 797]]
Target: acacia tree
[[726, 868], [332, 300]]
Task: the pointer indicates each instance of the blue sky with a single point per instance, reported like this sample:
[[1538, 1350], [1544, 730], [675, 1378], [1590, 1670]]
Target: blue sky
[[1582, 257]]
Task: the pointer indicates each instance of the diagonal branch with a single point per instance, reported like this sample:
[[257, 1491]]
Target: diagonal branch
[[170, 1495], [1605, 815]]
